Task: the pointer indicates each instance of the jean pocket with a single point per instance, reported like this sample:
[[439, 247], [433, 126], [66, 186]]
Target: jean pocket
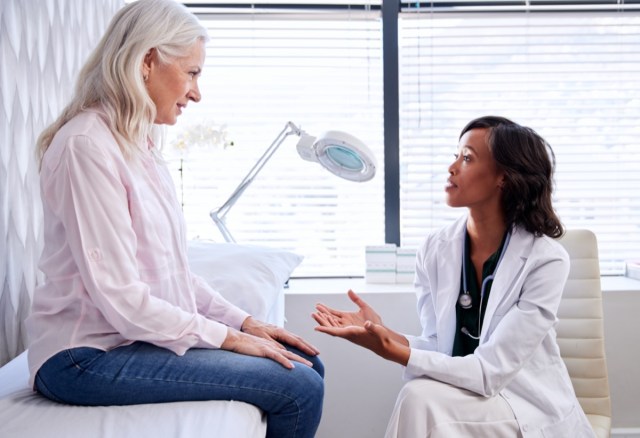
[[82, 357]]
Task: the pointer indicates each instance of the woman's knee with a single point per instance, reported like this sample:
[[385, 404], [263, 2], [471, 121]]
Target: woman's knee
[[310, 383], [318, 366], [297, 409]]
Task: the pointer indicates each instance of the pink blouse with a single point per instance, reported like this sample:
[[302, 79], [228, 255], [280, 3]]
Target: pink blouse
[[115, 254]]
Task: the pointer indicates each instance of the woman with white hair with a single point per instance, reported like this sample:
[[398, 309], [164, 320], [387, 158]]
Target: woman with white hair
[[120, 319]]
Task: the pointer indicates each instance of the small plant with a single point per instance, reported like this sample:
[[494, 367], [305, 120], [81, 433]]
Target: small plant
[[202, 135]]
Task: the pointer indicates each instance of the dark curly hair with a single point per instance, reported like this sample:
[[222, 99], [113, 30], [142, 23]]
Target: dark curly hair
[[527, 162]]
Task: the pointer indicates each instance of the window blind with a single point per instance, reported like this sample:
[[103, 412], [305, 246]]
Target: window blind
[[483, 6], [320, 69], [570, 76]]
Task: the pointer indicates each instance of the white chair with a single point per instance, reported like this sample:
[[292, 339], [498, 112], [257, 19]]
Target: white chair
[[581, 332]]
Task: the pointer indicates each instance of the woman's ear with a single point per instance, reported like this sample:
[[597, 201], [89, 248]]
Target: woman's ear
[[147, 63]]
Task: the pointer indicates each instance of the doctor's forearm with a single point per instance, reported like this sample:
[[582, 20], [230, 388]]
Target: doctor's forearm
[[398, 337], [399, 354]]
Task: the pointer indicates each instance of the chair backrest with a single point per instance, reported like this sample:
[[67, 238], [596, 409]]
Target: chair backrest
[[581, 331]]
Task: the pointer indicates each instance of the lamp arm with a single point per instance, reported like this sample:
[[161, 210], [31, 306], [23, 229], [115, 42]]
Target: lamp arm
[[218, 215]]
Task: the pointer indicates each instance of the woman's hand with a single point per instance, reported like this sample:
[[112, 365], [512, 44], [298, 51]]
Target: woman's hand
[[363, 328], [251, 345], [278, 334]]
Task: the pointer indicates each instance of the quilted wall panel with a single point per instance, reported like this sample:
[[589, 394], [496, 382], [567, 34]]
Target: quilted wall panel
[[43, 45]]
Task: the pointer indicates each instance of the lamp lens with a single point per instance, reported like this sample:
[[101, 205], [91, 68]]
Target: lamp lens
[[345, 158]]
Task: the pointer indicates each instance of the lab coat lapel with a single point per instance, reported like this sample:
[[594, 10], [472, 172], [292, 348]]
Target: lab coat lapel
[[506, 279], [448, 273]]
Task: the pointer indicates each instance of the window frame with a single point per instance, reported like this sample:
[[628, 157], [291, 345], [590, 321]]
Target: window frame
[[390, 11]]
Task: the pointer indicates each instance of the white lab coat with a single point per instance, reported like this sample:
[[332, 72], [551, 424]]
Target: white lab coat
[[517, 357]]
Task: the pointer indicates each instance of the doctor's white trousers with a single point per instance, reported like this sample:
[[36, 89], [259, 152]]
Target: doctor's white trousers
[[427, 408]]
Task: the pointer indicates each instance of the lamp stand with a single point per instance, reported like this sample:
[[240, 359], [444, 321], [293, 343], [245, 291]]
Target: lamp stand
[[218, 216]]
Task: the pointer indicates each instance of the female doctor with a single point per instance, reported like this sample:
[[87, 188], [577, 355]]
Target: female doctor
[[489, 285]]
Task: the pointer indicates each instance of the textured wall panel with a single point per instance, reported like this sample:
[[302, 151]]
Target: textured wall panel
[[43, 44]]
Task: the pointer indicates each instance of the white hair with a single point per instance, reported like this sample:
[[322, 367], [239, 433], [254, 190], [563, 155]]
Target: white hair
[[112, 76]]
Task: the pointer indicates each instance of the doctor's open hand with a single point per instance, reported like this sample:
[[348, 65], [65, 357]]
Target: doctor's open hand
[[363, 328], [343, 318]]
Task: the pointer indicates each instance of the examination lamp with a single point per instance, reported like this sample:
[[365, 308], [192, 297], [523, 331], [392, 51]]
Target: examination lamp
[[338, 152]]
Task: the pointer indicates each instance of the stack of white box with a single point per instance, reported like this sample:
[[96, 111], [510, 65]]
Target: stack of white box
[[389, 264], [405, 265], [633, 269], [381, 263]]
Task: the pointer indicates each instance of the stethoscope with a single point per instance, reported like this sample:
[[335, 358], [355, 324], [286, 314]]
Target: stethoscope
[[465, 299]]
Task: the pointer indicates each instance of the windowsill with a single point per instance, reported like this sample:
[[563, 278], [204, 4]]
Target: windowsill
[[342, 285], [619, 284], [307, 286]]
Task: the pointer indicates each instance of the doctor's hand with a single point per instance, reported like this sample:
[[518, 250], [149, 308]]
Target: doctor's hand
[[339, 318], [375, 337], [363, 328]]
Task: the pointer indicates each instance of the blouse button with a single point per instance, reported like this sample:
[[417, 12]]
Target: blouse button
[[95, 254]]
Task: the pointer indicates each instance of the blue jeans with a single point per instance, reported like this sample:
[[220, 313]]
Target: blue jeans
[[143, 373]]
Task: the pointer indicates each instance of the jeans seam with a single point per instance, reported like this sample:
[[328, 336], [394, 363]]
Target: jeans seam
[[89, 371], [188, 382], [40, 382]]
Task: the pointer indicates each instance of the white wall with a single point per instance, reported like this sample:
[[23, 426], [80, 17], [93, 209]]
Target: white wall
[[361, 387]]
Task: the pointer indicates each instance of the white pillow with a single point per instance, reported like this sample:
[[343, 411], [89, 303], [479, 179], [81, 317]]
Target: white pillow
[[251, 277]]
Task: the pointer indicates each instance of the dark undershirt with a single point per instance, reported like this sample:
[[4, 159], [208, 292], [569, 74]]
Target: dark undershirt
[[462, 343]]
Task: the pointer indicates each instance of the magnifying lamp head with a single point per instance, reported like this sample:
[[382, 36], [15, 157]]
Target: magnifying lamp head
[[341, 154]]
